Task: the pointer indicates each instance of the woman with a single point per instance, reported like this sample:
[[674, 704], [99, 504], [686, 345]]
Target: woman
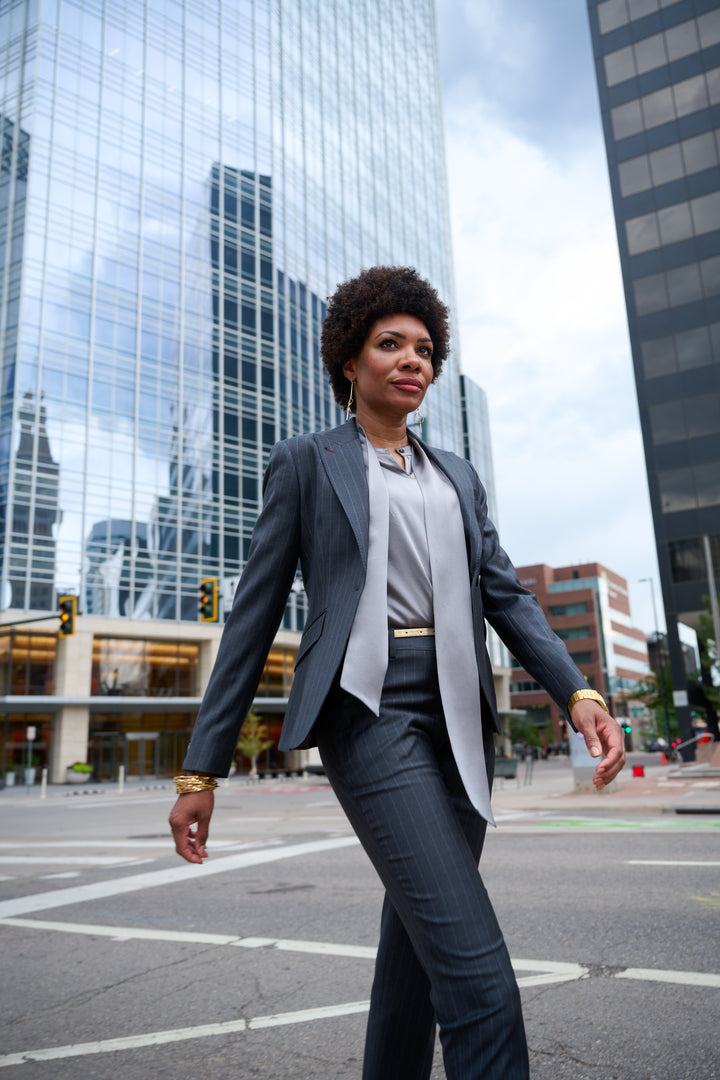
[[401, 567]]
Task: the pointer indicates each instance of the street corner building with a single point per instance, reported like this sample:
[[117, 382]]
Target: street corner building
[[182, 185], [658, 75]]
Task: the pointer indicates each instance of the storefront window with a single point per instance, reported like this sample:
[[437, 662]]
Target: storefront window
[[27, 663], [126, 667]]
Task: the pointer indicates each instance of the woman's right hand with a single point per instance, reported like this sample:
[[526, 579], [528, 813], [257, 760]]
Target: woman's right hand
[[194, 808]]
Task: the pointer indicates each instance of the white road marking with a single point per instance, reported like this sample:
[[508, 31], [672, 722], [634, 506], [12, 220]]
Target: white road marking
[[125, 933], [78, 894], [5, 877], [543, 971], [303, 1016], [63, 860], [129, 843], [158, 1038], [680, 978], [672, 862], [66, 874]]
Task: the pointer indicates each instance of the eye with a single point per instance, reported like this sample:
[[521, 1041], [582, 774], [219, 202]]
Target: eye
[[387, 342], [426, 350]]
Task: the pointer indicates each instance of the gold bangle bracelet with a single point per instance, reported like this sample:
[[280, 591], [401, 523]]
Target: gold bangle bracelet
[[185, 785], [580, 695]]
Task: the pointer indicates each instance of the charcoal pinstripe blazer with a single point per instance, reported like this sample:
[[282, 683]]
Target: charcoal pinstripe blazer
[[315, 512]]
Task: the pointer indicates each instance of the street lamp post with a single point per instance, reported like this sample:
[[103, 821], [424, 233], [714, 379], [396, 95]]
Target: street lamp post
[[661, 660]]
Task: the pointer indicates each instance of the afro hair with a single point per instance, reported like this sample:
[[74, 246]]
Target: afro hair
[[358, 303]]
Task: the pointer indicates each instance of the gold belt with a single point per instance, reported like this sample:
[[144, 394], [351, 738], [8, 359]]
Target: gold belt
[[415, 631]]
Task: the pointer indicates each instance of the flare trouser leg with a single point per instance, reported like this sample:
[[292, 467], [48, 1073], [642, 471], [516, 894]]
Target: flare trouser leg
[[397, 781]]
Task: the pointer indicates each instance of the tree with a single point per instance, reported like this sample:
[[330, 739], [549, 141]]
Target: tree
[[648, 691], [253, 740]]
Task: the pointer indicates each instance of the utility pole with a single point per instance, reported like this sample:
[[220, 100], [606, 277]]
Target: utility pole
[[661, 659]]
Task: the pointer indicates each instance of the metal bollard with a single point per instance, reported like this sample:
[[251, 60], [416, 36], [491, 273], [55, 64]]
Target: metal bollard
[[43, 784], [121, 779]]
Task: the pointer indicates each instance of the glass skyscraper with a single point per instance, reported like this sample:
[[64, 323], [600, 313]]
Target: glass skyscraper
[[658, 72], [182, 185]]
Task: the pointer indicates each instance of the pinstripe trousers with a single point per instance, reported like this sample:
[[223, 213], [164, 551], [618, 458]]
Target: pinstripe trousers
[[441, 957]]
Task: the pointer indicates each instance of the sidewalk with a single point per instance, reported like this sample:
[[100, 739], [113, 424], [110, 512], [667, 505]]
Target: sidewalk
[[662, 790]]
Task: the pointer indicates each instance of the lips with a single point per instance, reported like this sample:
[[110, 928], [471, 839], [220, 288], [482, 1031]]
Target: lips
[[412, 385]]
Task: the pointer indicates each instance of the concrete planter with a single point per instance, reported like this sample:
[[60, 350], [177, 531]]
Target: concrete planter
[[72, 777]]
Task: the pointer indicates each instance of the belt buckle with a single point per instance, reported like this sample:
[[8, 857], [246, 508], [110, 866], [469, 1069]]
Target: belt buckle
[[414, 631]]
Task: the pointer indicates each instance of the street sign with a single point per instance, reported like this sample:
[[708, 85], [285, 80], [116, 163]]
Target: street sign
[[31, 733]]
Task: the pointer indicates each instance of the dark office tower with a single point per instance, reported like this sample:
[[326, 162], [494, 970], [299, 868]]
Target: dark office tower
[[658, 73]]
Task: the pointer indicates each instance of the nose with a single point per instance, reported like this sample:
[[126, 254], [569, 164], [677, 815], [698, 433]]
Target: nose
[[410, 358]]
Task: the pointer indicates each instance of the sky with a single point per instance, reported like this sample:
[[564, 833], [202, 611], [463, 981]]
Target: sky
[[540, 311]]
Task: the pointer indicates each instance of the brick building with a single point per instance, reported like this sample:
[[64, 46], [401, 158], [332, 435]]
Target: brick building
[[588, 607]]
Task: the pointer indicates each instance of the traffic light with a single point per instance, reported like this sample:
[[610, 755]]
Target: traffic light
[[67, 613], [627, 727], [209, 599]]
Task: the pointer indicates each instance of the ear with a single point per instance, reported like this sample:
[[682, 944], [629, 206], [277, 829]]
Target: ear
[[349, 369]]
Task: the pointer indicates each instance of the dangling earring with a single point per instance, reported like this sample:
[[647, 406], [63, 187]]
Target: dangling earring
[[419, 418], [349, 402]]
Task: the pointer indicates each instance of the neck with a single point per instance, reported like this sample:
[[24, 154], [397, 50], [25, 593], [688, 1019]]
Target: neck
[[383, 431]]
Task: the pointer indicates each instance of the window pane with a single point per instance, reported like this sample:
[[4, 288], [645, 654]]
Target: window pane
[[666, 164], [640, 8], [687, 560], [700, 153], [675, 223], [650, 294], [667, 422], [690, 95], [611, 14], [650, 53], [710, 270], [702, 415], [634, 175], [658, 108], [707, 481], [642, 234], [715, 339], [626, 120], [677, 490], [682, 40], [706, 212], [713, 82], [658, 357], [619, 66], [693, 348], [709, 27], [684, 285]]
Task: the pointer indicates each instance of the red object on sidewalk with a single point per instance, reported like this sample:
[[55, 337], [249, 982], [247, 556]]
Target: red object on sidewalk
[[638, 770], [663, 758]]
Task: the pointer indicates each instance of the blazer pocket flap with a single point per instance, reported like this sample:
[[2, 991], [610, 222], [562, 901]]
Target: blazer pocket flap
[[310, 635]]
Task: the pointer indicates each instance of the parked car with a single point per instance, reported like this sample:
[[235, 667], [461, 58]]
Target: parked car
[[656, 744]]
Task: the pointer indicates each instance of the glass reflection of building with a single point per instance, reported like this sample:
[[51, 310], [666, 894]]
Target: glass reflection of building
[[658, 71], [181, 188]]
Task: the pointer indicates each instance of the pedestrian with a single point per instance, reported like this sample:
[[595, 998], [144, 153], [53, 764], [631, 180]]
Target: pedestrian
[[401, 567]]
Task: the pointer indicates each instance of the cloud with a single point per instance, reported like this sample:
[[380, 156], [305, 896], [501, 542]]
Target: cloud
[[542, 328]]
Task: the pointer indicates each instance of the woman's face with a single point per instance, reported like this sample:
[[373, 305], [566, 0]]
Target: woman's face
[[393, 370]]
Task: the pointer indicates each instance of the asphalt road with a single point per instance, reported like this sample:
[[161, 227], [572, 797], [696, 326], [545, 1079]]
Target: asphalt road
[[118, 960]]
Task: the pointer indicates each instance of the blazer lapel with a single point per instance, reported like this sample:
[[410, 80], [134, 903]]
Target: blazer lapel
[[341, 454]]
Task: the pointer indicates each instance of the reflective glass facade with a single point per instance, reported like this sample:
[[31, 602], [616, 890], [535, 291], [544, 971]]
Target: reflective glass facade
[[658, 70], [182, 184]]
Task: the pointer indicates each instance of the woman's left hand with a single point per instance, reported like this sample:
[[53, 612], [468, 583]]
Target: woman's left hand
[[603, 736]]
